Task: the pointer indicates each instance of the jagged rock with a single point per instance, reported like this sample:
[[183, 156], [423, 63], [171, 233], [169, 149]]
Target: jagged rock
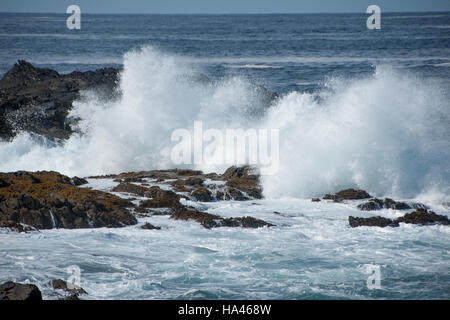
[[46, 200], [15, 226], [160, 199], [387, 203], [149, 226], [348, 194], [59, 284], [16, 291], [133, 189], [202, 194], [371, 222], [315, 200], [424, 217], [209, 220], [420, 216], [78, 181], [38, 100]]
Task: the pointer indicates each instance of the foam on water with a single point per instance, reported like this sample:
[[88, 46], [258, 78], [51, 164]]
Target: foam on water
[[386, 132]]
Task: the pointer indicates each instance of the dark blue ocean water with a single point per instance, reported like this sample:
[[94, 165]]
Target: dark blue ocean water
[[283, 52]]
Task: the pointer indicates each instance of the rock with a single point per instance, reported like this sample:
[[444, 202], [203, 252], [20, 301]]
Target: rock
[[315, 200], [348, 194], [371, 222], [373, 204], [214, 221], [133, 189], [160, 199], [387, 203], [78, 181], [38, 100], [420, 216], [16, 291], [15, 226], [149, 226], [46, 200], [59, 284], [424, 217], [249, 186], [202, 194], [244, 172], [73, 296]]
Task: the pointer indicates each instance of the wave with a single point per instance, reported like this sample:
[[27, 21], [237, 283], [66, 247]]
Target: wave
[[387, 132]]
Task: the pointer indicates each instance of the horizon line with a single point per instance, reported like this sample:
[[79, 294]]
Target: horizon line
[[216, 13]]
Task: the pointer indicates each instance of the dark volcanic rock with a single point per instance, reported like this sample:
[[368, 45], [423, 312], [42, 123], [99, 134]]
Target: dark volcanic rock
[[378, 204], [348, 194], [59, 284], [424, 217], [371, 222], [149, 226], [78, 181], [202, 194], [209, 220], [38, 100], [420, 216], [46, 200], [16, 291]]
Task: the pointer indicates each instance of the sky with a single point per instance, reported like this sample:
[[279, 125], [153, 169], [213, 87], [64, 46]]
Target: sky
[[222, 6]]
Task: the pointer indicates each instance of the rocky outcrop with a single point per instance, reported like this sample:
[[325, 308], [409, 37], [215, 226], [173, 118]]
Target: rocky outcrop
[[420, 217], [424, 217], [46, 200], [71, 288], [16, 291], [38, 100], [202, 194], [209, 220], [387, 203], [371, 222], [347, 194]]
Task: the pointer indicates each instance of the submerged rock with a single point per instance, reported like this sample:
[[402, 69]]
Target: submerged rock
[[17, 291]]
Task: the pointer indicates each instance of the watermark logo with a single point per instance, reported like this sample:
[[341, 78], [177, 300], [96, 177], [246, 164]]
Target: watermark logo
[[374, 278], [259, 147], [74, 280], [374, 21], [74, 20]]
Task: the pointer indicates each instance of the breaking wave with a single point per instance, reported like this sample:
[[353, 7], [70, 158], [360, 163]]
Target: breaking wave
[[388, 132]]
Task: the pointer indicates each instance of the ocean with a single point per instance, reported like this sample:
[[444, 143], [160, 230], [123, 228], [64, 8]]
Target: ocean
[[355, 108]]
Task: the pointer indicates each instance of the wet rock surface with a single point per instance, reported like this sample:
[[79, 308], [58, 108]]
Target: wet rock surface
[[46, 200], [70, 288], [347, 194], [149, 226], [38, 100], [387, 203], [17, 291], [209, 220], [419, 217]]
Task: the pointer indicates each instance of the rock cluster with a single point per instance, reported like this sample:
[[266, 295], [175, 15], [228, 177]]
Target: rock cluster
[[420, 217]]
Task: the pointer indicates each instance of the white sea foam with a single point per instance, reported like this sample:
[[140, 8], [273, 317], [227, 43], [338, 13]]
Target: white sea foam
[[387, 133]]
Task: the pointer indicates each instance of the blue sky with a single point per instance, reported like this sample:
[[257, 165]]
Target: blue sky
[[221, 6]]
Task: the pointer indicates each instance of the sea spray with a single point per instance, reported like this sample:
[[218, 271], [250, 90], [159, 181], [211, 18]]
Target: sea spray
[[386, 132]]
